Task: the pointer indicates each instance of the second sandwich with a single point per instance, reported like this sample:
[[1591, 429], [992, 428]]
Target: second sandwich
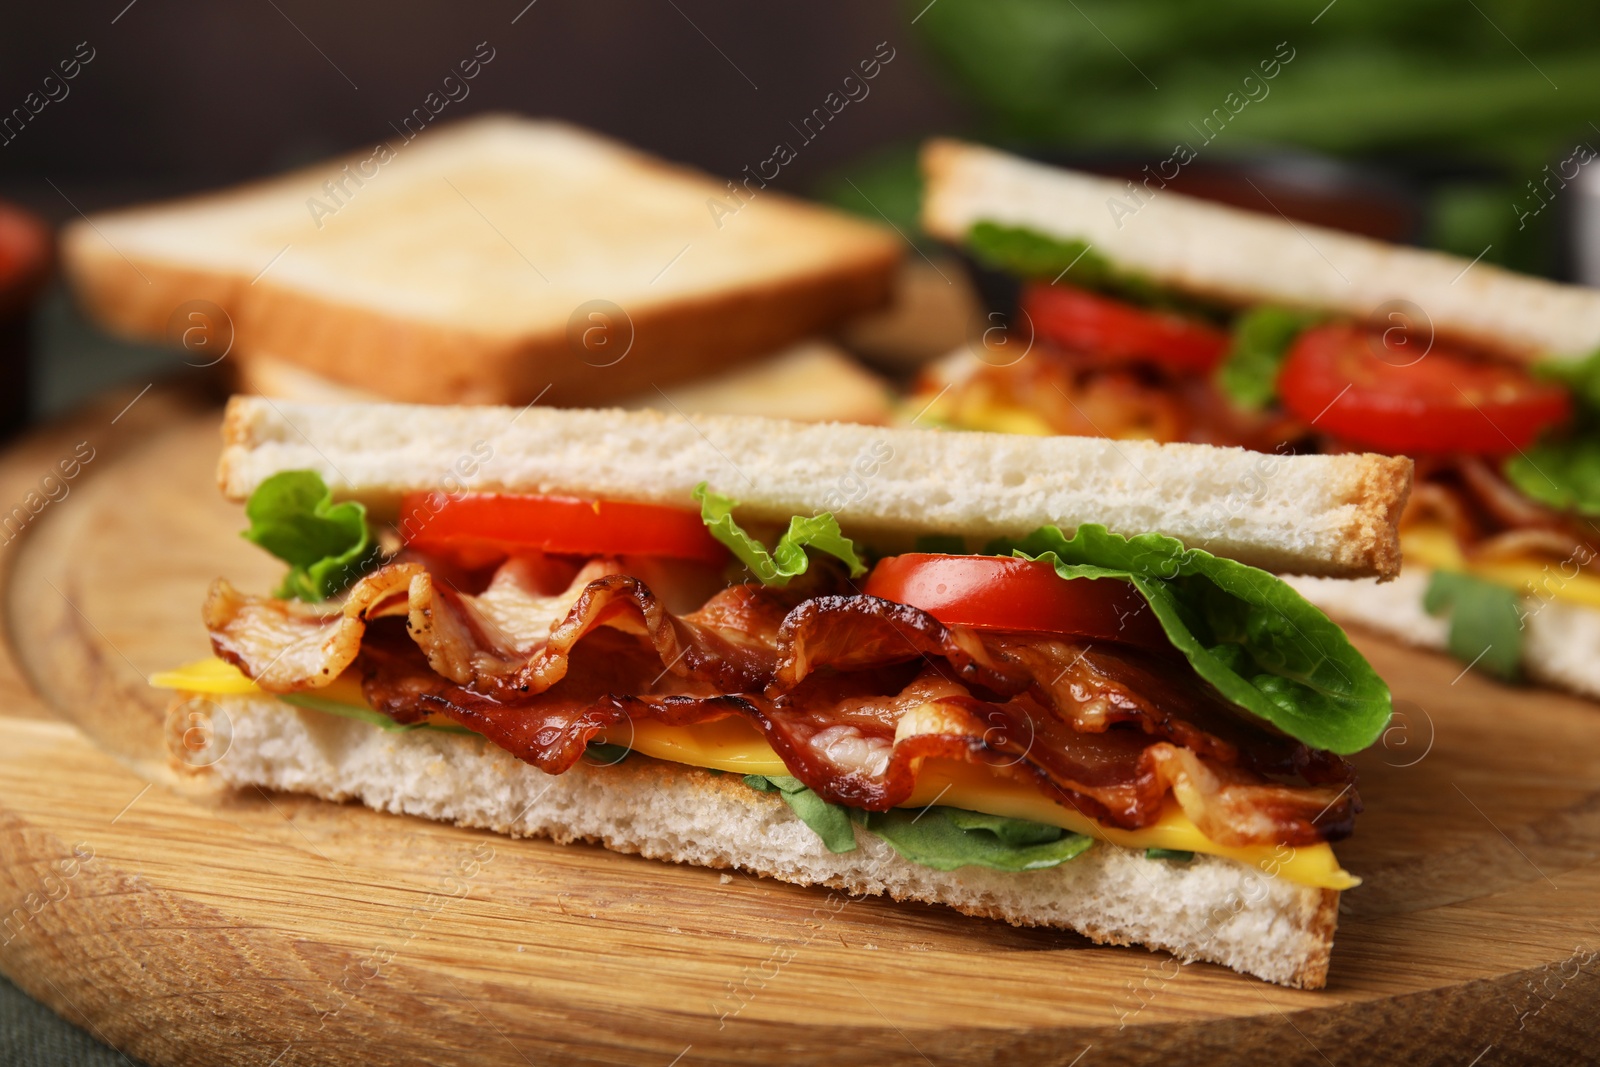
[[1154, 315]]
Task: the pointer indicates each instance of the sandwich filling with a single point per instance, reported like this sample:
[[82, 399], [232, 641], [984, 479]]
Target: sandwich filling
[[1114, 685], [1507, 457]]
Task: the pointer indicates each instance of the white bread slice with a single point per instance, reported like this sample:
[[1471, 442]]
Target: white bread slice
[[449, 273], [1326, 515], [813, 381], [1242, 257], [1212, 909], [1559, 637]]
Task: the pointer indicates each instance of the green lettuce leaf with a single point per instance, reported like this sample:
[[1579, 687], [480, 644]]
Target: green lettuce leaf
[[830, 822], [1485, 621], [327, 545], [1561, 472], [1035, 256], [1018, 832], [1582, 376], [605, 754], [942, 838], [367, 715], [1248, 374], [1562, 469], [788, 557], [1257, 641], [1177, 855], [948, 838], [773, 783]]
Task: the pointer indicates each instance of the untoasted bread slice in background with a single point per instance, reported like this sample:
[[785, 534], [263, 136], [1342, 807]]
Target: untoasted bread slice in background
[[486, 261], [813, 381]]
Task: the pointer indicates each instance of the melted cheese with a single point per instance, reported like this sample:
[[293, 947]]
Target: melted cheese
[[974, 407], [206, 676], [735, 746], [1436, 546]]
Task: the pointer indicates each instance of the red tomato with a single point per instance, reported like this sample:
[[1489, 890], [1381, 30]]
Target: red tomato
[[1005, 593], [1111, 329], [480, 525], [1440, 402], [24, 257]]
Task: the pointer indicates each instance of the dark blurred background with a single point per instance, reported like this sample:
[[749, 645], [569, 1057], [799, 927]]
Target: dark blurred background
[[184, 95]]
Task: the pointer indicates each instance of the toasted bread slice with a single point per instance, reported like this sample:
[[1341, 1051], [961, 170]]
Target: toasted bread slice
[[813, 381], [486, 261], [1242, 257], [1323, 515], [1209, 908]]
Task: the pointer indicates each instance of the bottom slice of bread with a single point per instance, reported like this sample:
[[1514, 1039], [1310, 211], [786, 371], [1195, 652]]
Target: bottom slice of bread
[[1209, 908], [1560, 639]]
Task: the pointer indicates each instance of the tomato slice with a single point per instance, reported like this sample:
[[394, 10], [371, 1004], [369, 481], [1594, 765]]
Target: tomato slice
[[483, 525], [1443, 401], [1005, 593], [1121, 332]]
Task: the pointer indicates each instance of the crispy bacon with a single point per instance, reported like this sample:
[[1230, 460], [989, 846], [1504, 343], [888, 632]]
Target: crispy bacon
[[286, 646], [852, 692], [1498, 499], [1490, 518], [1084, 394]]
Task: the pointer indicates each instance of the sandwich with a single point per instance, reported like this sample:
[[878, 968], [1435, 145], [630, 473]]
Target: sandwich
[[492, 260], [1030, 679], [1141, 313]]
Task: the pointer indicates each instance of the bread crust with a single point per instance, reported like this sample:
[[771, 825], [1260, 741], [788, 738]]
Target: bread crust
[[1261, 925], [419, 362], [1327, 515], [411, 357], [1241, 257], [1384, 487]]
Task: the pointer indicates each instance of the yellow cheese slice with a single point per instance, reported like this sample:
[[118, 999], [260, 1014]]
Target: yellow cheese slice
[[211, 675], [975, 408], [1435, 546], [735, 746]]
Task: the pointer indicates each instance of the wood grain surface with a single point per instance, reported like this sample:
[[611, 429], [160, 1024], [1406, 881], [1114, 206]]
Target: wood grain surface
[[189, 926]]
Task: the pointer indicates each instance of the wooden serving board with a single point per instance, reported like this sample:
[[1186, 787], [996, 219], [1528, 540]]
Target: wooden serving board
[[267, 929]]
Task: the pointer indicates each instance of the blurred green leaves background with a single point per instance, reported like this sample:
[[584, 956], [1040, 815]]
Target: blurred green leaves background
[[1507, 80], [1466, 99]]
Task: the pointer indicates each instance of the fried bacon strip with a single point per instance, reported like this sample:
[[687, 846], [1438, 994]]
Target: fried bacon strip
[[852, 692], [1490, 518]]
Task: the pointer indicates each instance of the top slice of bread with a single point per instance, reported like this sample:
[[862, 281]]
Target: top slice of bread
[[1242, 257], [461, 266], [1321, 515]]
